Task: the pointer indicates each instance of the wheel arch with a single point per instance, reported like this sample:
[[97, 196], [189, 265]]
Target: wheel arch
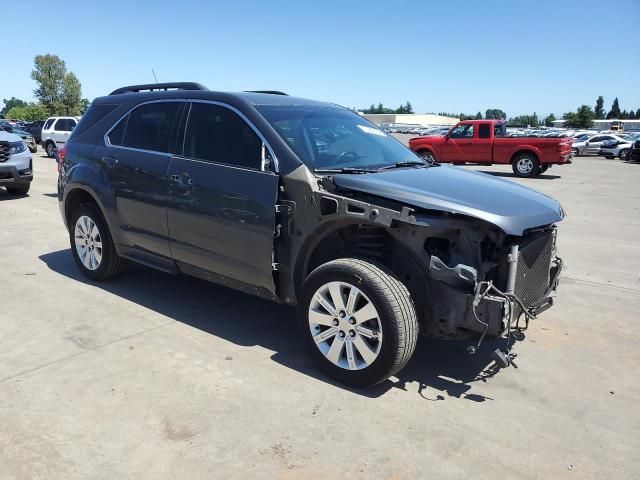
[[526, 150]]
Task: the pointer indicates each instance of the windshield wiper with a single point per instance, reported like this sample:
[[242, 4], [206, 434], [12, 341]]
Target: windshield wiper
[[345, 170], [408, 163]]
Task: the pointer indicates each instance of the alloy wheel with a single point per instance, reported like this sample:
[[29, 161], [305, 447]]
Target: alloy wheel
[[525, 166], [345, 325], [88, 242]]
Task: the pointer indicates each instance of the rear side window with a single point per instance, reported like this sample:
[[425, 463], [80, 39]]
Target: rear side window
[[499, 130], [150, 127], [47, 125], [93, 116], [65, 125], [484, 130], [116, 135], [217, 134]]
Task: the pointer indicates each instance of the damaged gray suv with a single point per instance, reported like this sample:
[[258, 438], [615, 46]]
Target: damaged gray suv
[[311, 205]]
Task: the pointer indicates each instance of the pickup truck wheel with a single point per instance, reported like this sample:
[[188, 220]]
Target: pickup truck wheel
[[92, 246], [18, 189], [357, 321], [427, 155], [543, 168], [526, 165], [50, 147]]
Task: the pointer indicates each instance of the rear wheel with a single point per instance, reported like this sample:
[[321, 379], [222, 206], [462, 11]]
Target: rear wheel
[[543, 168], [92, 246], [357, 321], [526, 165], [18, 189]]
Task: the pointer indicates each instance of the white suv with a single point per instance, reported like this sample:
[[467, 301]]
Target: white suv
[[56, 131], [16, 169]]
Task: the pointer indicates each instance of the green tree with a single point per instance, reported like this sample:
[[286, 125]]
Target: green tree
[[495, 114], [549, 120], [583, 118], [57, 90], [9, 103], [599, 110], [71, 95], [632, 115], [638, 114], [86, 103], [408, 107], [615, 110], [28, 112], [479, 116]]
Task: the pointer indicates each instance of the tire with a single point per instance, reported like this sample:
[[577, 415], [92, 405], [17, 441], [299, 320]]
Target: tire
[[21, 189], [108, 264], [427, 155], [609, 157], [526, 165], [50, 148], [381, 346], [33, 149], [575, 152], [543, 168], [624, 154]]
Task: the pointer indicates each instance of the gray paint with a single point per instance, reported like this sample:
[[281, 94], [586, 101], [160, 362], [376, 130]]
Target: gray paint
[[511, 207]]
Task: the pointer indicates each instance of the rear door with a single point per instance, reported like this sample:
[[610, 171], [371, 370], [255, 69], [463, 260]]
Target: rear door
[[480, 150], [62, 129], [458, 144], [593, 145], [136, 158], [221, 211]]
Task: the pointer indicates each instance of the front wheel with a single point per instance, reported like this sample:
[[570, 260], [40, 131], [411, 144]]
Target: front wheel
[[18, 189], [575, 152], [92, 246], [427, 155], [526, 165], [624, 154], [357, 321]]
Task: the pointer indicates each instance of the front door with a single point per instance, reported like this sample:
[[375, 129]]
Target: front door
[[221, 211], [458, 144], [137, 160]]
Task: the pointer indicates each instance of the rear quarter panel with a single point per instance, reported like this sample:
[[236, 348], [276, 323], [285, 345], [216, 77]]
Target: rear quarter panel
[[548, 150]]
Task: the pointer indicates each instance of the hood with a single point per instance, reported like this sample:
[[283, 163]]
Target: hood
[[511, 207], [9, 137]]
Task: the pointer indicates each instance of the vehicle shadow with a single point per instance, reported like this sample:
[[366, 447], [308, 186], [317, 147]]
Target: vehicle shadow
[[441, 368], [544, 176], [4, 195]]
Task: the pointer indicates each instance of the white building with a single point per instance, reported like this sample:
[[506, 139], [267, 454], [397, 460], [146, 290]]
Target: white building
[[607, 124], [422, 119]]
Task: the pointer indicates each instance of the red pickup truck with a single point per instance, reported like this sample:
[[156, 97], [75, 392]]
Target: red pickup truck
[[485, 142]]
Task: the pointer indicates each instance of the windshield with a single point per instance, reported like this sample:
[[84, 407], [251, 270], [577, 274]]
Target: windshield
[[334, 138]]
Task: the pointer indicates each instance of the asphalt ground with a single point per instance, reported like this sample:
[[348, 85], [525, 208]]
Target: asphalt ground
[[155, 376]]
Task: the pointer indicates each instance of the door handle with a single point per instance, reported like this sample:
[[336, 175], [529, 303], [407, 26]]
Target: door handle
[[111, 161]]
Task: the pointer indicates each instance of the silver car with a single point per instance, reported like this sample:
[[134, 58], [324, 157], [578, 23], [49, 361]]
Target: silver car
[[591, 146]]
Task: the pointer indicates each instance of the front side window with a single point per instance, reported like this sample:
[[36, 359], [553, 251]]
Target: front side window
[[462, 131], [150, 127], [217, 134], [333, 138]]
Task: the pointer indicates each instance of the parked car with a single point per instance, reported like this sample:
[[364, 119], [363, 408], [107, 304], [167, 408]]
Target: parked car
[[591, 146], [25, 136], [618, 148], [16, 168], [372, 244], [35, 129], [56, 132], [484, 141], [634, 153]]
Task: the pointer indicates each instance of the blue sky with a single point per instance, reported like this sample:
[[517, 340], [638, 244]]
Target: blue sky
[[543, 56]]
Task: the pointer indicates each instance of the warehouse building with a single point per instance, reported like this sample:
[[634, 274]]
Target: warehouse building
[[422, 119], [611, 124]]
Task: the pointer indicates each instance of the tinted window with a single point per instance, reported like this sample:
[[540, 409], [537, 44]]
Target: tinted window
[[462, 131], [499, 129], [484, 130], [47, 125], [117, 133], [65, 125], [217, 134], [596, 139], [92, 116], [150, 126]]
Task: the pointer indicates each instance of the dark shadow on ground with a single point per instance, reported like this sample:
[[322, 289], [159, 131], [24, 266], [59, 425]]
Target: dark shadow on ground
[[4, 195], [441, 368], [52, 195]]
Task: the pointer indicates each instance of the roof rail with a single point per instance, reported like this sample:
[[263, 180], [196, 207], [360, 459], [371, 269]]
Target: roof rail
[[270, 92], [159, 86]]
